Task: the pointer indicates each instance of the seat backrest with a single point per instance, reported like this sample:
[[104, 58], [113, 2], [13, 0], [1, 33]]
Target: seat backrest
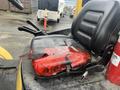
[[97, 25]]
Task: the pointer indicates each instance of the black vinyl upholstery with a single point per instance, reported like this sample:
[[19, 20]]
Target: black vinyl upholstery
[[95, 26], [51, 41], [94, 29]]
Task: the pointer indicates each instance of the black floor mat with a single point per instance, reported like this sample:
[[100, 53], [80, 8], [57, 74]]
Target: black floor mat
[[7, 79]]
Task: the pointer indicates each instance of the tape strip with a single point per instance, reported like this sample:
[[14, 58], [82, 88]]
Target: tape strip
[[115, 59]]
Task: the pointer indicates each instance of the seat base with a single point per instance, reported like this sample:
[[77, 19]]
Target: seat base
[[51, 41]]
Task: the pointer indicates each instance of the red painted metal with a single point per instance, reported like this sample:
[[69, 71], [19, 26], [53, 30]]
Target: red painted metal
[[55, 61], [113, 70]]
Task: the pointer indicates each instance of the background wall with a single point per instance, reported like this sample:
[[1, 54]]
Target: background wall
[[29, 6], [4, 5]]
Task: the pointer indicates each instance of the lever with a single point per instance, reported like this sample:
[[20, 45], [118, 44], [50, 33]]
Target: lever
[[30, 23], [37, 29], [26, 30], [35, 33], [29, 29], [84, 75]]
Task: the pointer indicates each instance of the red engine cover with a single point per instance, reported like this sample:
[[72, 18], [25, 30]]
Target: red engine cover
[[55, 61]]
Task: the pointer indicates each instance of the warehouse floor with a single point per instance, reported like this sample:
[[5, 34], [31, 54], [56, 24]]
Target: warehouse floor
[[15, 42]]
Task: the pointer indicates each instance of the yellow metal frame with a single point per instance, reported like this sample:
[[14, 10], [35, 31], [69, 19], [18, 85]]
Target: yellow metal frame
[[19, 78], [5, 55], [78, 7]]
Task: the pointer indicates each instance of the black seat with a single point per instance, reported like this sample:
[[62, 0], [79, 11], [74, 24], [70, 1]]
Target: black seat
[[95, 29]]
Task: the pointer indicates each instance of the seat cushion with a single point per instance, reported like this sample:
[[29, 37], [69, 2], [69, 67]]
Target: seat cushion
[[54, 54], [97, 25], [49, 41]]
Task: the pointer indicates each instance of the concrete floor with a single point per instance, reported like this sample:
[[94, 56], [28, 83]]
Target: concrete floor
[[10, 38], [15, 42]]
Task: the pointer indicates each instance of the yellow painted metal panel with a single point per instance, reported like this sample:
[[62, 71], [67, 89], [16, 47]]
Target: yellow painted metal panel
[[19, 79], [5, 54], [78, 7]]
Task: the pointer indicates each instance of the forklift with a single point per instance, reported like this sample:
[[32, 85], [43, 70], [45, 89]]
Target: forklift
[[86, 47]]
